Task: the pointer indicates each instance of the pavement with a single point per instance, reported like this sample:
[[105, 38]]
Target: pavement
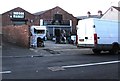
[[50, 49], [10, 50]]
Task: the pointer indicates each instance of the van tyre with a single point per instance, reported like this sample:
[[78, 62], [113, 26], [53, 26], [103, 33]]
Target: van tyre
[[41, 44], [95, 51], [115, 49]]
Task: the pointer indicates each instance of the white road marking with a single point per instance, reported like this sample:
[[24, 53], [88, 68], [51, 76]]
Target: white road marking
[[73, 49], [58, 68], [91, 64], [5, 72]]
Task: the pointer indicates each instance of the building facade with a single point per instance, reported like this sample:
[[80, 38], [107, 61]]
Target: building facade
[[113, 13], [57, 19], [54, 19], [18, 16]]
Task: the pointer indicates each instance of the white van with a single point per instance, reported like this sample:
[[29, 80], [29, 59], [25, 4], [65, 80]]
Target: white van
[[38, 35], [99, 34]]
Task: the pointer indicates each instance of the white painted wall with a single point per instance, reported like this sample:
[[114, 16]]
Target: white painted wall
[[111, 14]]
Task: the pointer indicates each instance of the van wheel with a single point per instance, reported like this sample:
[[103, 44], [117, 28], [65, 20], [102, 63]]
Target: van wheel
[[115, 49], [96, 51], [43, 45]]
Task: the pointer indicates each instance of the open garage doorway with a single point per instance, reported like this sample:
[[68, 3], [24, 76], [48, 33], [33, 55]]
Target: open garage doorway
[[57, 33]]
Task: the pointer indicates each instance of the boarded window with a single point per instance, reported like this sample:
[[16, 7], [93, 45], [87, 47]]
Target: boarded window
[[57, 17]]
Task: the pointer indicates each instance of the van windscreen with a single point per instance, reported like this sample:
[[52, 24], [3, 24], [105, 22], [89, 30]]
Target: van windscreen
[[39, 31]]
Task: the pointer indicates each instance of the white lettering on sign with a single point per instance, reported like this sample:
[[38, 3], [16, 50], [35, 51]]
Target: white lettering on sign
[[18, 14]]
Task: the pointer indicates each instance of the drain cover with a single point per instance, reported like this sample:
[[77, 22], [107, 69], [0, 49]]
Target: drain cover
[[56, 68]]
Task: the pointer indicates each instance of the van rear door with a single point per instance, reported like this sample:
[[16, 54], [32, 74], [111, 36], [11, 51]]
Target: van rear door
[[89, 32], [85, 32], [81, 32]]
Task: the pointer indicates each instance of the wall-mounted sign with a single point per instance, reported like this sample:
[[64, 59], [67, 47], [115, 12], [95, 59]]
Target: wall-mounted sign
[[18, 15]]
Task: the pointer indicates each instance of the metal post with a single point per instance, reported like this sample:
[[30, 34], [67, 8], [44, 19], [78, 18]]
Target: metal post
[[41, 22], [71, 25]]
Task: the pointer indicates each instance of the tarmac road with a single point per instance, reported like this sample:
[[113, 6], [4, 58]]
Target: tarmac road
[[57, 61]]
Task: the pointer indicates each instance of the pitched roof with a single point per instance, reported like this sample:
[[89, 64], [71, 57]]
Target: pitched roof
[[117, 8], [42, 12], [39, 13], [18, 9]]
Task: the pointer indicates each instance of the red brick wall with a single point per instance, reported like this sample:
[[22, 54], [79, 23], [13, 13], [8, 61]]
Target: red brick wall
[[18, 35], [48, 15], [6, 20]]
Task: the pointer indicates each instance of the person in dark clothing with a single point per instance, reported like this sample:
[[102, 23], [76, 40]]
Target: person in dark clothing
[[63, 36], [68, 36]]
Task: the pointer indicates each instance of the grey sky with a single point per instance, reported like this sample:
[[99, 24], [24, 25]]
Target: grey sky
[[75, 7]]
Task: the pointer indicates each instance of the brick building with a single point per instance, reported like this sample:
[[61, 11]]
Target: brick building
[[54, 19], [57, 19], [18, 16]]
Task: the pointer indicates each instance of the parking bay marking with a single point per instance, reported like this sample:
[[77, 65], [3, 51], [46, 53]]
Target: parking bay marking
[[5, 72], [58, 68]]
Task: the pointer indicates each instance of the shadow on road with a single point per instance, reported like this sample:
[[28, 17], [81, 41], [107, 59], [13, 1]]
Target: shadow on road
[[103, 54]]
